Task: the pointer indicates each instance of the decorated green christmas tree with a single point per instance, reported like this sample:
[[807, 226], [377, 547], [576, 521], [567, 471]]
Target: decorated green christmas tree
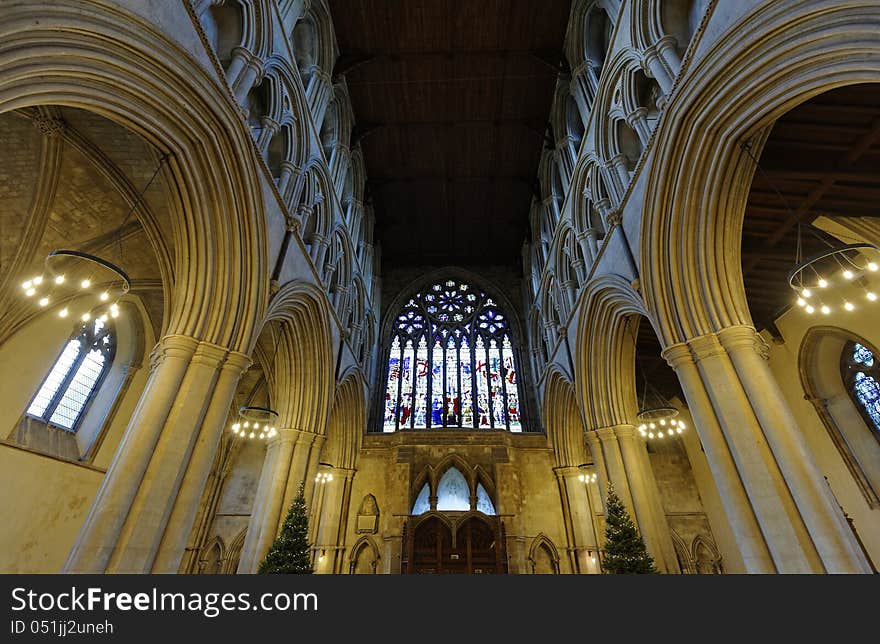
[[625, 552], [290, 554]]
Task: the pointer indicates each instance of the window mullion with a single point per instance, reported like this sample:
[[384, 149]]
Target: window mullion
[[62, 388]]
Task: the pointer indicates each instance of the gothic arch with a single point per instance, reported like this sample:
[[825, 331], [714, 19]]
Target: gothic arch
[[563, 420], [605, 356], [220, 231], [365, 543], [819, 359], [705, 556], [233, 553], [346, 424], [543, 542], [691, 227], [303, 380]]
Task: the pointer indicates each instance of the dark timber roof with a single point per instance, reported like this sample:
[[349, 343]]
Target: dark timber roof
[[451, 99]]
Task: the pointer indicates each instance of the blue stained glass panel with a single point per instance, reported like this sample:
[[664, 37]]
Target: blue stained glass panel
[[867, 392]]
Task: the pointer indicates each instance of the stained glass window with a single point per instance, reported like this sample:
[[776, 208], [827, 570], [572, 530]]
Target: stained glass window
[[862, 378], [451, 362], [453, 492], [73, 379]]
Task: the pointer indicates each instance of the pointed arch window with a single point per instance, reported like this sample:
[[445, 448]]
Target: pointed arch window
[[453, 492], [451, 362], [71, 383], [861, 375]]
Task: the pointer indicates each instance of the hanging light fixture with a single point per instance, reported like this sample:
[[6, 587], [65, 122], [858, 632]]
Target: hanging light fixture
[[255, 422], [586, 476], [656, 418], [659, 422], [70, 274], [837, 279]]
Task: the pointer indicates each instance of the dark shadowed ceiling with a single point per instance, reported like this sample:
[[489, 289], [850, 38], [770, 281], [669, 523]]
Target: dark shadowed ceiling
[[451, 99]]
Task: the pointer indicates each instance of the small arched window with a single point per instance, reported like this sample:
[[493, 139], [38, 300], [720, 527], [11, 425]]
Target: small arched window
[[453, 492], [451, 362], [76, 375]]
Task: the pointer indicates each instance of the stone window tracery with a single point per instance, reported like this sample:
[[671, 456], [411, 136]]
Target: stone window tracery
[[451, 362], [75, 376]]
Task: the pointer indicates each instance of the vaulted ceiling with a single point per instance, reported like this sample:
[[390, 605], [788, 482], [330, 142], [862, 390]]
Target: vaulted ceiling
[[68, 180], [452, 99]]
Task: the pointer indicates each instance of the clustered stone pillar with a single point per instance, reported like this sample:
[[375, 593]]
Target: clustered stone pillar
[[144, 510], [285, 468], [781, 510], [330, 516], [621, 458], [578, 516]]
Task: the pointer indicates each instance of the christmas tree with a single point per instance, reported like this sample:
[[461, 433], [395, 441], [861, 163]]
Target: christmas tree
[[290, 554], [625, 552]]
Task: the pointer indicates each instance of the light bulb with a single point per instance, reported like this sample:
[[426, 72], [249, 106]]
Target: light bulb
[[650, 434], [872, 266], [810, 309], [871, 296], [104, 296], [247, 424], [86, 283], [86, 317], [59, 279], [38, 280], [652, 425], [30, 291], [806, 292], [825, 309], [27, 285], [848, 306], [329, 477], [62, 313], [103, 318], [252, 435], [44, 301], [114, 312], [822, 282], [262, 436], [848, 274], [801, 301], [662, 421], [679, 430]]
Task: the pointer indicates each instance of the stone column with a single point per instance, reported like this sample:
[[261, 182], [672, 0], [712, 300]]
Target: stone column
[[186, 505], [781, 526], [646, 498], [172, 434], [268, 129], [283, 471], [627, 467], [267, 504], [639, 122], [752, 545], [831, 536], [657, 69], [577, 511]]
